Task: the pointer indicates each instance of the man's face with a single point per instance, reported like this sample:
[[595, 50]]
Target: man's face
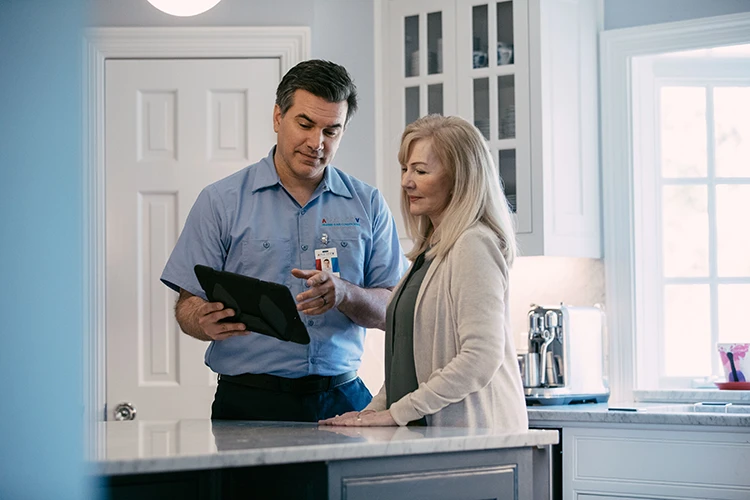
[[308, 136]]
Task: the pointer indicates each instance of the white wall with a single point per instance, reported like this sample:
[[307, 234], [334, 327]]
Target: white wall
[[628, 13], [342, 31]]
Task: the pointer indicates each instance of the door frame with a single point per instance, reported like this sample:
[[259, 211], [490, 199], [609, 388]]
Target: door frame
[[290, 44]]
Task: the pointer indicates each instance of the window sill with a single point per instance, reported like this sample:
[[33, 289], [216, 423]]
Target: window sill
[[690, 396]]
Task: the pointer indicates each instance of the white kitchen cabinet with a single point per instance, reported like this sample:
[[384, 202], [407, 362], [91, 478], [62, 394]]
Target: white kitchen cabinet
[[525, 73], [606, 462]]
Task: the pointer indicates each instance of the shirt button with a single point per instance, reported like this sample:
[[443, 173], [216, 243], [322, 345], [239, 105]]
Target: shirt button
[[266, 244], [344, 243], [310, 322], [302, 212], [304, 248]]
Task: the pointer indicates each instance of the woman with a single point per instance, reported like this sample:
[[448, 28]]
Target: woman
[[450, 356]]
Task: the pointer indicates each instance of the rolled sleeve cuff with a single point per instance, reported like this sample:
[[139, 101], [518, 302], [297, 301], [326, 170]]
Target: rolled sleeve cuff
[[404, 412]]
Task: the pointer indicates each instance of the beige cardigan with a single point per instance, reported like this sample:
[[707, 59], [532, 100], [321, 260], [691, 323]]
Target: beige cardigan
[[464, 353]]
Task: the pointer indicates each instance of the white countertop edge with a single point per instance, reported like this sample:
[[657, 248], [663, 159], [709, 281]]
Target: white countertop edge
[[690, 396], [647, 414], [719, 420], [323, 453]]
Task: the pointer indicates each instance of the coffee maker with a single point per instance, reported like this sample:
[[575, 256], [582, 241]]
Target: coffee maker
[[564, 363]]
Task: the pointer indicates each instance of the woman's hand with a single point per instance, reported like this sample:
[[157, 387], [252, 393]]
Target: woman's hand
[[367, 418]]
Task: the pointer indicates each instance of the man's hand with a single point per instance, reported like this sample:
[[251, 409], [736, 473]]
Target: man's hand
[[325, 292], [200, 319], [210, 313]]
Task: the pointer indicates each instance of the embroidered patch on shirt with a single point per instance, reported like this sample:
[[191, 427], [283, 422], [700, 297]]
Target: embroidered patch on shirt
[[340, 221]]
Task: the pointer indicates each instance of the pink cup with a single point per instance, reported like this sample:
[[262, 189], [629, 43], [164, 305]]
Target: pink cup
[[741, 358]]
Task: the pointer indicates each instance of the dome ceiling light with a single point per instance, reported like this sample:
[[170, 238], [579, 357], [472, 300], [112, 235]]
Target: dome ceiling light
[[183, 8]]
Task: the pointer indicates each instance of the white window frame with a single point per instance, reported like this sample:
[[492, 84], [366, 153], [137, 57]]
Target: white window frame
[[628, 353], [650, 74]]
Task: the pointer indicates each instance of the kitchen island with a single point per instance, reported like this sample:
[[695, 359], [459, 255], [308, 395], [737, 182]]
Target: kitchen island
[[228, 459]]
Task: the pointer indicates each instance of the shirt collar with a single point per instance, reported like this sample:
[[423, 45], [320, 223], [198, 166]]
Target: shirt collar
[[268, 177]]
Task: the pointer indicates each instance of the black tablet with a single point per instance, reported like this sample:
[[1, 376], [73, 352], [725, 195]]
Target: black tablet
[[264, 307]]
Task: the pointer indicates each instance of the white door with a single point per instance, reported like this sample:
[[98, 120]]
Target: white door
[[172, 127]]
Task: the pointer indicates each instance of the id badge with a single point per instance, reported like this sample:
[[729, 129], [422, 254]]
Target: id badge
[[326, 259]]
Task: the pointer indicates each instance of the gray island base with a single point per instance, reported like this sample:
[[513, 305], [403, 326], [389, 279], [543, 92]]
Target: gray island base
[[201, 459]]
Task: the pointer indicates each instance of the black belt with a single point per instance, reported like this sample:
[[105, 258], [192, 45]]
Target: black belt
[[302, 385]]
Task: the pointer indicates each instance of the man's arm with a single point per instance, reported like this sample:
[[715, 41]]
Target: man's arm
[[364, 306], [200, 319]]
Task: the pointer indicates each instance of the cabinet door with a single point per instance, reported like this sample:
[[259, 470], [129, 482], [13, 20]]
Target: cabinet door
[[420, 61], [493, 90]]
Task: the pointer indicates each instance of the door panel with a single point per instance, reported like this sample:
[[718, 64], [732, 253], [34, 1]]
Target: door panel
[[172, 127]]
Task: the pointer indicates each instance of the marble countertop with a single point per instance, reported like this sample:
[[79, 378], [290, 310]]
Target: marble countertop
[[136, 447], [731, 415]]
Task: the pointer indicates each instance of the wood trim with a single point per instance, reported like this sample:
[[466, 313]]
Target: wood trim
[[617, 48], [289, 44]]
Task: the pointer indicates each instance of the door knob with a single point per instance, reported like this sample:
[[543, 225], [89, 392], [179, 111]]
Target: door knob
[[125, 411]]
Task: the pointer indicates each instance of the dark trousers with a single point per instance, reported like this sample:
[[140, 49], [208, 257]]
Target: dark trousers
[[234, 401]]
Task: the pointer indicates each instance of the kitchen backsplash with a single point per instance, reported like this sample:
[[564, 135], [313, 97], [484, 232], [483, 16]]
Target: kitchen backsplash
[[549, 281]]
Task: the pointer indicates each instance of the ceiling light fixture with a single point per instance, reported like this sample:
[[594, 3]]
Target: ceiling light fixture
[[183, 8]]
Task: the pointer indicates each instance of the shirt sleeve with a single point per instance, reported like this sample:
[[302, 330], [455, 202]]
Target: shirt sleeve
[[386, 263], [199, 243]]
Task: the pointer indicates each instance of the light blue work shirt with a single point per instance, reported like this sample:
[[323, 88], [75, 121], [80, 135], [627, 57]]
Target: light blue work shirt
[[249, 224]]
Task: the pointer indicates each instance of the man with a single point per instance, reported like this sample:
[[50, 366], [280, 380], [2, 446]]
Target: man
[[271, 221]]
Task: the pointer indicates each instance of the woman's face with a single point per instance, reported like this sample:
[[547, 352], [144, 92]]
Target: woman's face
[[426, 182]]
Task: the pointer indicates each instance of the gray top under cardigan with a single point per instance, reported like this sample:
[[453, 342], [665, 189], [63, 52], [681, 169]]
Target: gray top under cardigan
[[400, 377]]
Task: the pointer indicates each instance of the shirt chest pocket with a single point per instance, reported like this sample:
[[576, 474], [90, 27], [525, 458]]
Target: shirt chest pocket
[[267, 258], [351, 255]]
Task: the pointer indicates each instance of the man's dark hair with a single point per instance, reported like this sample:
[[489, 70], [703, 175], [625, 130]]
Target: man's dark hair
[[323, 79]]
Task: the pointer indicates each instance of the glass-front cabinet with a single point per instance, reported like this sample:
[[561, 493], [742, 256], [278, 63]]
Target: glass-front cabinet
[[524, 72], [492, 83], [462, 57]]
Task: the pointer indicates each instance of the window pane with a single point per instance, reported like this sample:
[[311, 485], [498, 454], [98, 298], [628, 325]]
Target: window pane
[[732, 118], [411, 46], [480, 40], [504, 33], [733, 298], [683, 132], [685, 231], [482, 105], [435, 99], [687, 331], [411, 94], [434, 43], [733, 229], [507, 166], [506, 104]]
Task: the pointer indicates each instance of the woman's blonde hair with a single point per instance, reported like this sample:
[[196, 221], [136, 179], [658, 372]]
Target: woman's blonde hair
[[476, 195]]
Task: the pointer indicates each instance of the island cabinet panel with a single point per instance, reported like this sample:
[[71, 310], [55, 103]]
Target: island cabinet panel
[[189, 485], [506, 474]]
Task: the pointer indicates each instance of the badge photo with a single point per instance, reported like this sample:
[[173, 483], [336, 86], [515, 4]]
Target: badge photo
[[326, 259]]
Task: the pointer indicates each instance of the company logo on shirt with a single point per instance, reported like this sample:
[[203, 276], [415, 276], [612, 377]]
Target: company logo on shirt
[[340, 221]]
